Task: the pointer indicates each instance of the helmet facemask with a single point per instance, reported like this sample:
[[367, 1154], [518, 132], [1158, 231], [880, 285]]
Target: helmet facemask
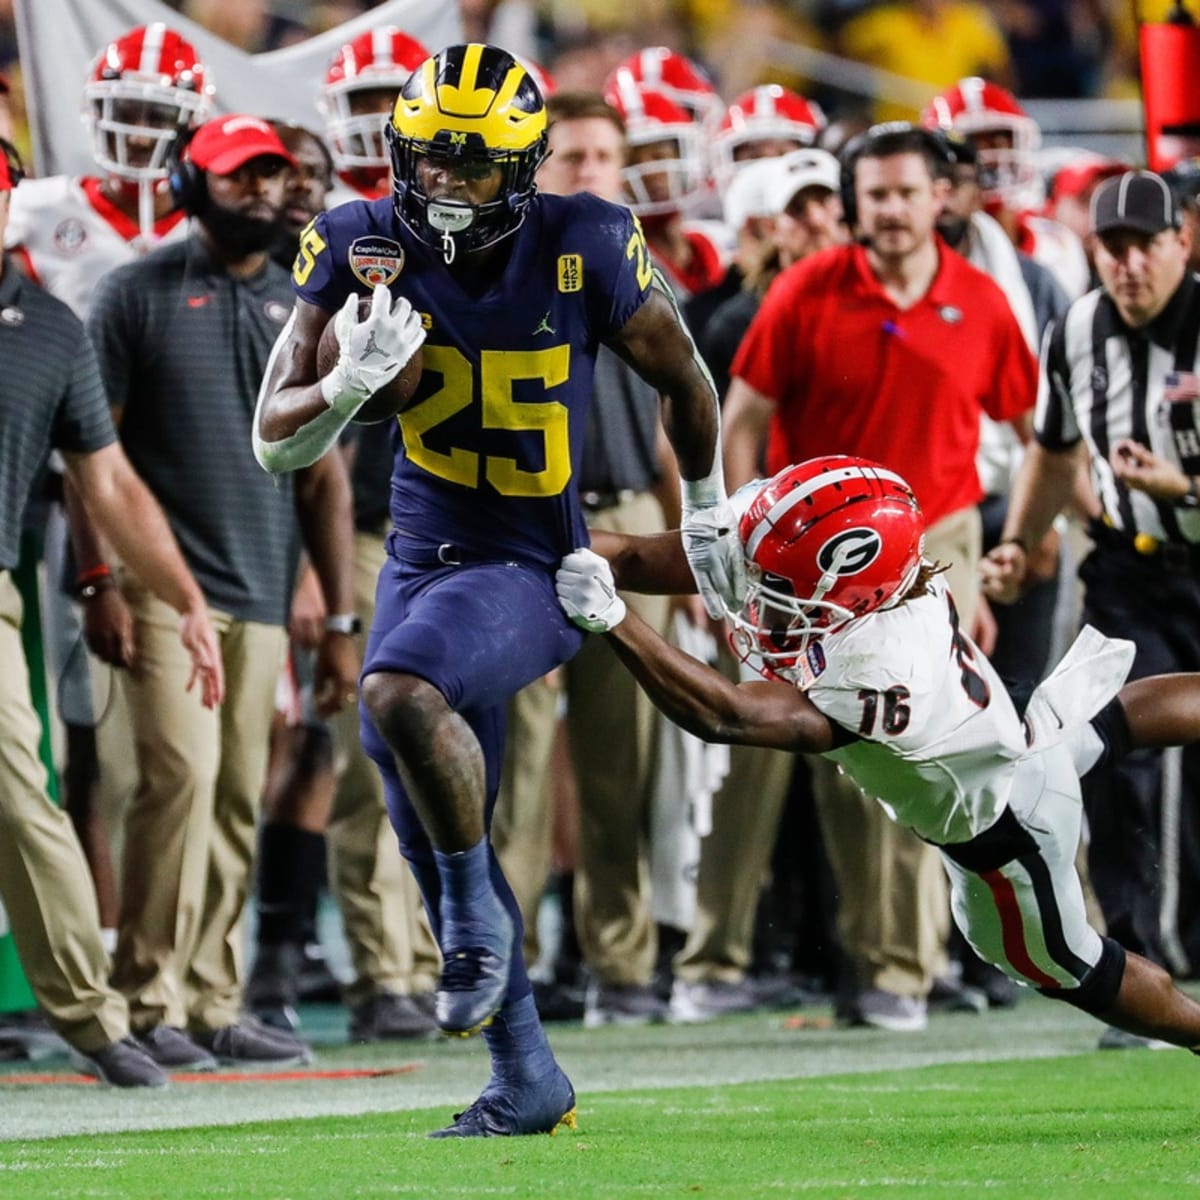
[[472, 108], [457, 226]]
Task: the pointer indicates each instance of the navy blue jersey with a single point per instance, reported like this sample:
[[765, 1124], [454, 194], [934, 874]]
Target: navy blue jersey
[[490, 447]]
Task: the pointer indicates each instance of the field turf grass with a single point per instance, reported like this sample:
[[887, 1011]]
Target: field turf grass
[[1010, 1105]]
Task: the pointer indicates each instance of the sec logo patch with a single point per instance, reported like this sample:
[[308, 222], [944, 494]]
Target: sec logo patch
[[375, 260]]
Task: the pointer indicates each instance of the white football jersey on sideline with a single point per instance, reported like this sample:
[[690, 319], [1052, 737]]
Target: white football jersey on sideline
[[1051, 244], [938, 735], [71, 234]]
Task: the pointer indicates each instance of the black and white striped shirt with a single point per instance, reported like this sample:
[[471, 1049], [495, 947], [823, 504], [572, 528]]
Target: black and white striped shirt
[[1102, 380]]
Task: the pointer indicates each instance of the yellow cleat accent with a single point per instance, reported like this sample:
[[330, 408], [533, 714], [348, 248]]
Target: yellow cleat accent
[[568, 1119], [466, 1033]]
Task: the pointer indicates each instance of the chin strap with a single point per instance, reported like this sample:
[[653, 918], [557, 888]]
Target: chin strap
[[448, 247]]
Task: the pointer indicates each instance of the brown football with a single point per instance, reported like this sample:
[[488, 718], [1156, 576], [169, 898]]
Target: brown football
[[391, 399]]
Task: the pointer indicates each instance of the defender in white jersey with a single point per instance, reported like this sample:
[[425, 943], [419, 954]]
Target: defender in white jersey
[[865, 663]]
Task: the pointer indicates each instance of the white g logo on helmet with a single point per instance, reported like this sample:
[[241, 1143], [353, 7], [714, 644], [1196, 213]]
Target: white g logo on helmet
[[851, 551]]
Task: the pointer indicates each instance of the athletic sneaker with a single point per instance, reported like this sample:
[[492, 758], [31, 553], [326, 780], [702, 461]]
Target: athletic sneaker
[[476, 956], [173, 1049], [250, 1042], [885, 1010], [387, 1016], [708, 999], [122, 1064], [621, 1004], [500, 1113]]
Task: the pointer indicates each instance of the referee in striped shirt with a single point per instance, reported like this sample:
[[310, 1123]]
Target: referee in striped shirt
[[1121, 383]]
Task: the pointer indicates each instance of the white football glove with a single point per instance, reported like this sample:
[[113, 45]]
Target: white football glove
[[373, 351], [586, 591], [714, 552]]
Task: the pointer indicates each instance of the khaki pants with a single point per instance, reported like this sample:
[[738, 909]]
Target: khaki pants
[[734, 860], [44, 878], [611, 725], [190, 829], [391, 945], [893, 898]]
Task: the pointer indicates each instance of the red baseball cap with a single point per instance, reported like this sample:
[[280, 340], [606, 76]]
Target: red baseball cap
[[224, 144]]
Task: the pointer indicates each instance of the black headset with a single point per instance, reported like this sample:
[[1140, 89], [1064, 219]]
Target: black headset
[[16, 170], [895, 137], [189, 188]]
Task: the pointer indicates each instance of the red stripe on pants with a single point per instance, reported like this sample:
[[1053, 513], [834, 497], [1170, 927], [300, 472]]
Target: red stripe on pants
[[1013, 929]]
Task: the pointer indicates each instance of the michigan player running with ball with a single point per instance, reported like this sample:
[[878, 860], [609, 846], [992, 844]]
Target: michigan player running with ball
[[508, 294], [866, 664]]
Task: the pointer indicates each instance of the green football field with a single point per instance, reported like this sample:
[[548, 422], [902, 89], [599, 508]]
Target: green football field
[[1013, 1104]]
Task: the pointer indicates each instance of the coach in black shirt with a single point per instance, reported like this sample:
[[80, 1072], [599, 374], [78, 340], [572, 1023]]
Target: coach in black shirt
[[1121, 382]]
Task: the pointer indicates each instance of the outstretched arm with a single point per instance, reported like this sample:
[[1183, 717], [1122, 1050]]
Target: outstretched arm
[[654, 564], [705, 703], [691, 693], [1162, 710]]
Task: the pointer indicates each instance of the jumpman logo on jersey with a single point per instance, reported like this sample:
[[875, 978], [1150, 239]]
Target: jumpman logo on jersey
[[543, 326], [370, 348]]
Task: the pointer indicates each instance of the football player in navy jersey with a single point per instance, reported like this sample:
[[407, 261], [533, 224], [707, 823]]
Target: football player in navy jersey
[[508, 294]]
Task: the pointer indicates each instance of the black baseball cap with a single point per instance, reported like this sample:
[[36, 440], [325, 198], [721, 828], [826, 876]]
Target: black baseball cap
[[1137, 200]]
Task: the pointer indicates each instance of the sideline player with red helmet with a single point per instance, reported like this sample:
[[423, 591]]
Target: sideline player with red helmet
[[765, 122], [1006, 139], [674, 75], [360, 87], [867, 666], [144, 91], [664, 180]]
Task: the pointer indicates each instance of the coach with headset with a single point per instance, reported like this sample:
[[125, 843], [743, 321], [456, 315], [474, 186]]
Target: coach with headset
[[1120, 388], [183, 337], [889, 348]]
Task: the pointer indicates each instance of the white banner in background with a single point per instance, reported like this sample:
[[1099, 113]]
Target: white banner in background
[[58, 40]]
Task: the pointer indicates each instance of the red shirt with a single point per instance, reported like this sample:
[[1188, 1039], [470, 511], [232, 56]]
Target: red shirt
[[851, 373]]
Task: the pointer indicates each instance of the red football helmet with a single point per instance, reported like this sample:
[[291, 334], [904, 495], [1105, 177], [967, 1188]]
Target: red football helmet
[[980, 110], [826, 541], [765, 113], [672, 176], [142, 92], [379, 60], [687, 84]]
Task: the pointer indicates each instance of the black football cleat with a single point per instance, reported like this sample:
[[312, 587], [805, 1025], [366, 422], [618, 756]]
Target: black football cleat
[[502, 1112]]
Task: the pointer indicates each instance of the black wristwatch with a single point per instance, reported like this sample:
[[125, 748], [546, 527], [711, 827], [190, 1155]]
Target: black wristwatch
[[343, 623], [1191, 498]]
